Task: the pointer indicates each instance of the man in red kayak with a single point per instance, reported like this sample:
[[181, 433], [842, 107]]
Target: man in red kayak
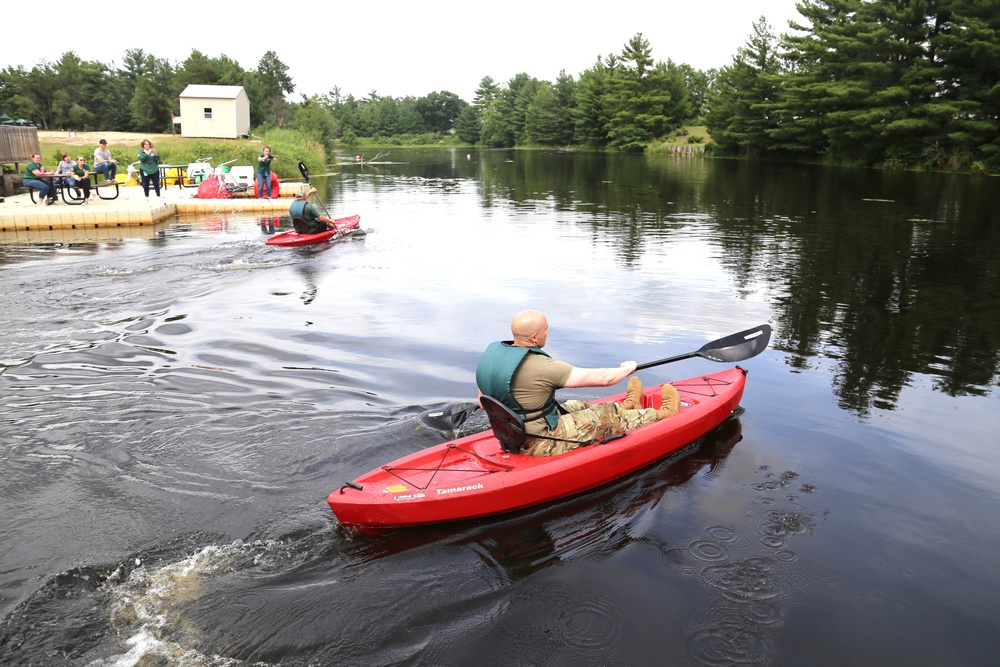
[[525, 379], [313, 222]]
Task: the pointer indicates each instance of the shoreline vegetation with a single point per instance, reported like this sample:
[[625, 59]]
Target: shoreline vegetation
[[177, 149], [854, 83]]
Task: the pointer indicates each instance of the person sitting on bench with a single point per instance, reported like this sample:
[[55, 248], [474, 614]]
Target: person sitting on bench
[[46, 191], [104, 163], [81, 174], [65, 168]]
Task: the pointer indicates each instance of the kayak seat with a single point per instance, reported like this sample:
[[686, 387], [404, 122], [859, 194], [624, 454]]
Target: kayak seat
[[507, 425], [300, 225]]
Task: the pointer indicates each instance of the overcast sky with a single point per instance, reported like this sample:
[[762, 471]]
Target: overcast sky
[[398, 48]]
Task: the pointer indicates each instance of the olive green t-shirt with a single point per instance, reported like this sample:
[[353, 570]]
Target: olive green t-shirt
[[537, 378]]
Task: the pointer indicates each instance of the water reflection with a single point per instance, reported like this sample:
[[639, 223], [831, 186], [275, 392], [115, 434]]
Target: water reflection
[[528, 541], [889, 274], [269, 224], [175, 411]]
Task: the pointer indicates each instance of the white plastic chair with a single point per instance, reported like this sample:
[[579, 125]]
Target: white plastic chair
[[243, 176], [197, 171]]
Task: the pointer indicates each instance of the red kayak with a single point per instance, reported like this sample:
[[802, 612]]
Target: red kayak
[[474, 477], [344, 226]]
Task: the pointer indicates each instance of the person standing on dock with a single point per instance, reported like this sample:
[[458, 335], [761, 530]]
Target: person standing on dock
[[264, 172], [149, 166], [104, 163]]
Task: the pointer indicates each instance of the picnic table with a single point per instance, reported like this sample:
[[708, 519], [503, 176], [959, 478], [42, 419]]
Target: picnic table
[[180, 172], [68, 192]]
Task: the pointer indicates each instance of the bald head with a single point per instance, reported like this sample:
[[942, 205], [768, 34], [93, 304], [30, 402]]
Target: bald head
[[529, 328]]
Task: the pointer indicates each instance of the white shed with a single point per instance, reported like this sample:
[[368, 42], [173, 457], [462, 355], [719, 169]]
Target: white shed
[[221, 112]]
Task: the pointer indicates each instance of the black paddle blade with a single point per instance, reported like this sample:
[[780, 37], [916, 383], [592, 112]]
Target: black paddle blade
[[734, 347], [304, 171], [737, 346], [448, 418]]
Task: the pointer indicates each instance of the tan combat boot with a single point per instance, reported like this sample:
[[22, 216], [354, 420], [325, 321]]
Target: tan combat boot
[[671, 402], [633, 397]]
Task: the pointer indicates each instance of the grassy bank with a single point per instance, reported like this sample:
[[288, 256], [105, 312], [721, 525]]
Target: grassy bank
[[288, 146], [692, 135]]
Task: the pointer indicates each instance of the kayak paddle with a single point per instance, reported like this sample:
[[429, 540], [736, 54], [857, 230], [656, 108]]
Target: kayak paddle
[[734, 347], [304, 170], [448, 418]]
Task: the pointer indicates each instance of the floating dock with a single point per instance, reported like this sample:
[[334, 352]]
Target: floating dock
[[128, 216]]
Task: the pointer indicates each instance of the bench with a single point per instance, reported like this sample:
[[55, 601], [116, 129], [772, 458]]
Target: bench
[[56, 188], [100, 187], [68, 192]]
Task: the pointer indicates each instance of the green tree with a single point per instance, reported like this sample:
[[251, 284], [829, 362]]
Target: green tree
[[8, 78], [565, 92], [260, 104], [504, 116], [439, 110], [697, 83], [467, 125], [270, 86], [380, 116], [78, 99], [154, 98], [967, 44], [651, 97], [594, 104], [741, 115], [346, 110], [543, 122], [315, 120], [36, 94], [487, 91], [860, 80], [13, 92], [274, 75], [199, 69], [133, 69]]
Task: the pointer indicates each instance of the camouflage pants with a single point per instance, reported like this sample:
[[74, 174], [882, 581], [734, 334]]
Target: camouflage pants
[[587, 422]]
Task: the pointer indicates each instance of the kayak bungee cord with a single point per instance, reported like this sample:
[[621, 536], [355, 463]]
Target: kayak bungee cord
[[440, 466]]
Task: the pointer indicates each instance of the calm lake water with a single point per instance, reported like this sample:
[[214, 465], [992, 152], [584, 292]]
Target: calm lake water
[[175, 410]]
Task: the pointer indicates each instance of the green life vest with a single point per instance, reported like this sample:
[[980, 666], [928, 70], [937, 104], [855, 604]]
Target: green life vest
[[495, 372], [298, 208]]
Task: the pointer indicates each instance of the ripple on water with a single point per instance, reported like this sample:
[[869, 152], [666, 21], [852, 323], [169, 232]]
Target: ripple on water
[[778, 526], [748, 579], [730, 638], [707, 550], [148, 605], [721, 533], [584, 623]]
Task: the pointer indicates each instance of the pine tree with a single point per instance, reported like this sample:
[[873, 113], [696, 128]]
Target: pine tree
[[740, 114], [651, 98], [967, 44]]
